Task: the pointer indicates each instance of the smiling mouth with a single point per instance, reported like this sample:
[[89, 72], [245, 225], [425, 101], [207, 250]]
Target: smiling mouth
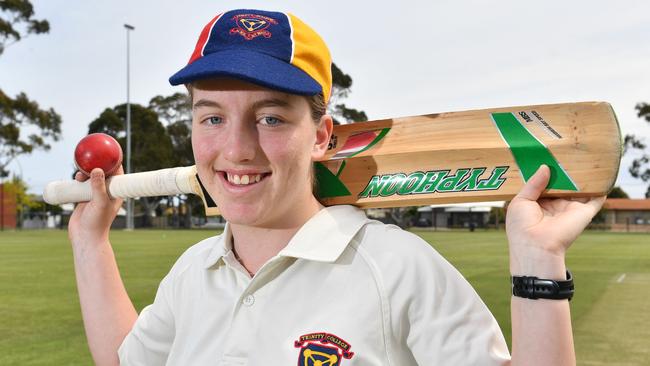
[[244, 179]]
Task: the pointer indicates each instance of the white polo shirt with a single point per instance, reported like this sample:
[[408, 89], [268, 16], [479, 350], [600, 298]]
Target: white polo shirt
[[345, 291]]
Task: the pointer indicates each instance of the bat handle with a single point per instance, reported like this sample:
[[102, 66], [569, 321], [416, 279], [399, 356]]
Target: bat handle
[[163, 182]]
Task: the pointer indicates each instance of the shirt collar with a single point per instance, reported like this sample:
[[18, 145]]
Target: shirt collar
[[222, 247], [322, 238]]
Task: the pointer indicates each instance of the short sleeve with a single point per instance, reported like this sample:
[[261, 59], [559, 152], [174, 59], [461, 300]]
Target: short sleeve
[[435, 316], [448, 323], [151, 338]]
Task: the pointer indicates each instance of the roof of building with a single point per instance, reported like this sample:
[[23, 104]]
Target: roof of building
[[627, 204]]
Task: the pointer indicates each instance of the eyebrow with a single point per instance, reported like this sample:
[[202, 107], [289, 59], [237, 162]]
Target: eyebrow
[[205, 103], [270, 102]]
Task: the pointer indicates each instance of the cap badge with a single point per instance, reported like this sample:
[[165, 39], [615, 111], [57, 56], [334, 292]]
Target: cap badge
[[250, 26]]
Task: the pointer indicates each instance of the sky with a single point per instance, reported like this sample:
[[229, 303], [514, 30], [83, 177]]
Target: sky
[[405, 58]]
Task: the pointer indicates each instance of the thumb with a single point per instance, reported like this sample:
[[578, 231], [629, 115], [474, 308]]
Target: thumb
[[98, 185], [536, 184]]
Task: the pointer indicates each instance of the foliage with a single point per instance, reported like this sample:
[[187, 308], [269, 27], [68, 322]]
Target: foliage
[[19, 114], [342, 83], [16, 22], [26, 202], [19, 188], [640, 167], [617, 192], [176, 114], [175, 111], [151, 146]]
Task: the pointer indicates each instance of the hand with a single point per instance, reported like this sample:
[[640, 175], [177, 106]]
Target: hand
[[540, 231], [91, 221]]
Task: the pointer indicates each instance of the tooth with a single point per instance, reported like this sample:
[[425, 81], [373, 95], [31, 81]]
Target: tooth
[[236, 179], [257, 178], [244, 179], [229, 177]]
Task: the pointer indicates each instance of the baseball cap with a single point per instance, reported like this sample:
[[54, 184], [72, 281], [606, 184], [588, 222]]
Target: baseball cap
[[272, 49]]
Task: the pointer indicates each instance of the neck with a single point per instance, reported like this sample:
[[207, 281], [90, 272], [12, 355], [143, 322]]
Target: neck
[[255, 245]]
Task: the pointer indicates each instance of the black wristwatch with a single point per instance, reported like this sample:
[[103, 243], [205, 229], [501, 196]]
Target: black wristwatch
[[536, 288]]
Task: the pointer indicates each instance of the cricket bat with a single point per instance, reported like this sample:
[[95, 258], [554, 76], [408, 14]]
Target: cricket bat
[[469, 156]]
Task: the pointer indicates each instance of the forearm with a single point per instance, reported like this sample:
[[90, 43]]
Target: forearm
[[541, 329], [107, 311]]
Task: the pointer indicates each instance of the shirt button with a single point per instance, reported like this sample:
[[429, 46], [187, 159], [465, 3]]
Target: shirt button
[[249, 300]]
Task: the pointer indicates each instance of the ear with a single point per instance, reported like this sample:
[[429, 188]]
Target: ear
[[323, 135]]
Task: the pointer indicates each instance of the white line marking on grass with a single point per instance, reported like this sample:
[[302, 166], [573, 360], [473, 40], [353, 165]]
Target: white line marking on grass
[[621, 278]]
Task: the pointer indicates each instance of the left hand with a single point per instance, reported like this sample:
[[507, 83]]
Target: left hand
[[541, 230]]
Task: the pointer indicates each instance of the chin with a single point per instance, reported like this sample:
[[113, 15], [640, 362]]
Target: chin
[[242, 214]]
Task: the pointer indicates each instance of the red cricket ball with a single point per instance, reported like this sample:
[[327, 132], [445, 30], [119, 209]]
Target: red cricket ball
[[98, 150]]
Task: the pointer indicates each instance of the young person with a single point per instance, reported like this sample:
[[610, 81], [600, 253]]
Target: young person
[[290, 281]]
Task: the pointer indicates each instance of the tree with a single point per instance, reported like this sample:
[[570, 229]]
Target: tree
[[617, 192], [341, 84], [176, 113], [640, 167], [20, 113], [151, 147], [27, 203], [16, 22]]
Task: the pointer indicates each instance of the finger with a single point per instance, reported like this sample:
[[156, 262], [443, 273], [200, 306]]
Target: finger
[[536, 184], [119, 170], [596, 203], [98, 186], [80, 177]]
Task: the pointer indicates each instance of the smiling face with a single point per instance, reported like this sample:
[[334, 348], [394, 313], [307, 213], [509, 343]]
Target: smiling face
[[254, 149]]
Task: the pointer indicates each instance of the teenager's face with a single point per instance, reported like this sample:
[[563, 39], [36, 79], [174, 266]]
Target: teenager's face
[[254, 149]]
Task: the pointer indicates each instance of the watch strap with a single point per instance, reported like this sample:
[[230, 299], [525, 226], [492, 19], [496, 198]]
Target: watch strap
[[538, 288]]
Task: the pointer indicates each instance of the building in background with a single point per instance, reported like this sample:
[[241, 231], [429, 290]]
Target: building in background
[[626, 215], [461, 215], [8, 210], [447, 216]]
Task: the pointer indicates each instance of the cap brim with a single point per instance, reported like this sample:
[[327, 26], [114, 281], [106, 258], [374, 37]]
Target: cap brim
[[253, 67]]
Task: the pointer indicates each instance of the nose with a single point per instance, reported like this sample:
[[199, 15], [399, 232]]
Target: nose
[[241, 143]]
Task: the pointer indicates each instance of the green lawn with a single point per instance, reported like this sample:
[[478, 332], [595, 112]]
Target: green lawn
[[40, 319]]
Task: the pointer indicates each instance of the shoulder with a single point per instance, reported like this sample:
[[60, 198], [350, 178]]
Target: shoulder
[[388, 243], [198, 255], [406, 267]]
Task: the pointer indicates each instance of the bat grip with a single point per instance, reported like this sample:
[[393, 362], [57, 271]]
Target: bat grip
[[163, 182]]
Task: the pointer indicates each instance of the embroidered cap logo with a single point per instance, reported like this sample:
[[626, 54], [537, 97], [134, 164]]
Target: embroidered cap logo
[[250, 26]]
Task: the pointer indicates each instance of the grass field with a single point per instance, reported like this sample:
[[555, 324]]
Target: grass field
[[40, 319]]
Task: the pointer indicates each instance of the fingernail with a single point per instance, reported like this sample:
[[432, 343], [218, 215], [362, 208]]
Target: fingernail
[[97, 173]]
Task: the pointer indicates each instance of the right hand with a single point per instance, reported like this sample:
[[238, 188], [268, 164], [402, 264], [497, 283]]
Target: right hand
[[91, 221]]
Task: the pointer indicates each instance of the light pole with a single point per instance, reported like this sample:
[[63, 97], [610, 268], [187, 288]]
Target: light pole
[[129, 201]]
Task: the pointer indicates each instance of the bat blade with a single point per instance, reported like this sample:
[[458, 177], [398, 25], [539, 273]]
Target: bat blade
[[470, 156], [473, 156]]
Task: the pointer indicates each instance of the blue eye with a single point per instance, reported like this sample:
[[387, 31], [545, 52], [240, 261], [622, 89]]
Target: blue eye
[[214, 120], [270, 121]]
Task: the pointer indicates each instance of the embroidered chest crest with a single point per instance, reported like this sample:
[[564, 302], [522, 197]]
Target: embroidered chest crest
[[322, 349]]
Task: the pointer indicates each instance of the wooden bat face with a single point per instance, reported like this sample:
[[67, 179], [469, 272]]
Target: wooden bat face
[[471, 156]]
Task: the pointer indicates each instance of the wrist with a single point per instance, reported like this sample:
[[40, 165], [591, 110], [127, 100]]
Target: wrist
[[538, 263]]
